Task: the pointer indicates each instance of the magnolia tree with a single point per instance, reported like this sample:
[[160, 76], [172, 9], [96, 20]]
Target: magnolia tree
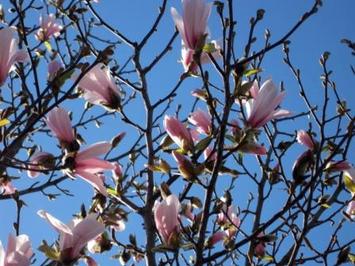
[[195, 165]]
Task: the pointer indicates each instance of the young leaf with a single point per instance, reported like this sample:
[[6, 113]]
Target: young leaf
[[267, 258], [250, 72], [202, 145], [4, 122], [349, 184], [48, 45], [209, 48], [50, 252]]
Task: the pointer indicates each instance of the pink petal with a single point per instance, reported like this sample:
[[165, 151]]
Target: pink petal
[[20, 56], [254, 90], [99, 86], [94, 150], [93, 180], [305, 139], [58, 225], [280, 113], [8, 188], [216, 237], [166, 216], [86, 230], [351, 209], [20, 246], [93, 165], [117, 171], [350, 173], [178, 23], [178, 132], [202, 121], [89, 260], [9, 53], [2, 255], [58, 121]]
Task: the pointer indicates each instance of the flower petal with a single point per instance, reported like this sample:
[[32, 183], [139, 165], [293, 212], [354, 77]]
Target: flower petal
[[58, 225], [94, 150], [93, 180]]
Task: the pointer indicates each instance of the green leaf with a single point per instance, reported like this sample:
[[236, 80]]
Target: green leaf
[[252, 71], [349, 184], [202, 145], [65, 77], [267, 258], [325, 205], [4, 122], [50, 252], [209, 48], [351, 258], [112, 192], [160, 166], [48, 45]]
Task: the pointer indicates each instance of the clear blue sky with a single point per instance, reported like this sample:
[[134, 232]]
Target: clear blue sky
[[322, 32]]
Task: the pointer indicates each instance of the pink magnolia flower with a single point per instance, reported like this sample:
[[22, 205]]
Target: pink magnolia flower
[[351, 209], [229, 220], [7, 188], [53, 68], [93, 245], [48, 27], [200, 94], [248, 144], [262, 108], [253, 148], [192, 26], [216, 237], [187, 57], [187, 211], [235, 128], [166, 217], [100, 88], [202, 121], [178, 133], [18, 251], [194, 135], [259, 250], [88, 167], [40, 161], [117, 171], [59, 123], [187, 60], [89, 260], [185, 166], [9, 54], [74, 236], [207, 154], [305, 139], [350, 173], [114, 219], [337, 166]]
